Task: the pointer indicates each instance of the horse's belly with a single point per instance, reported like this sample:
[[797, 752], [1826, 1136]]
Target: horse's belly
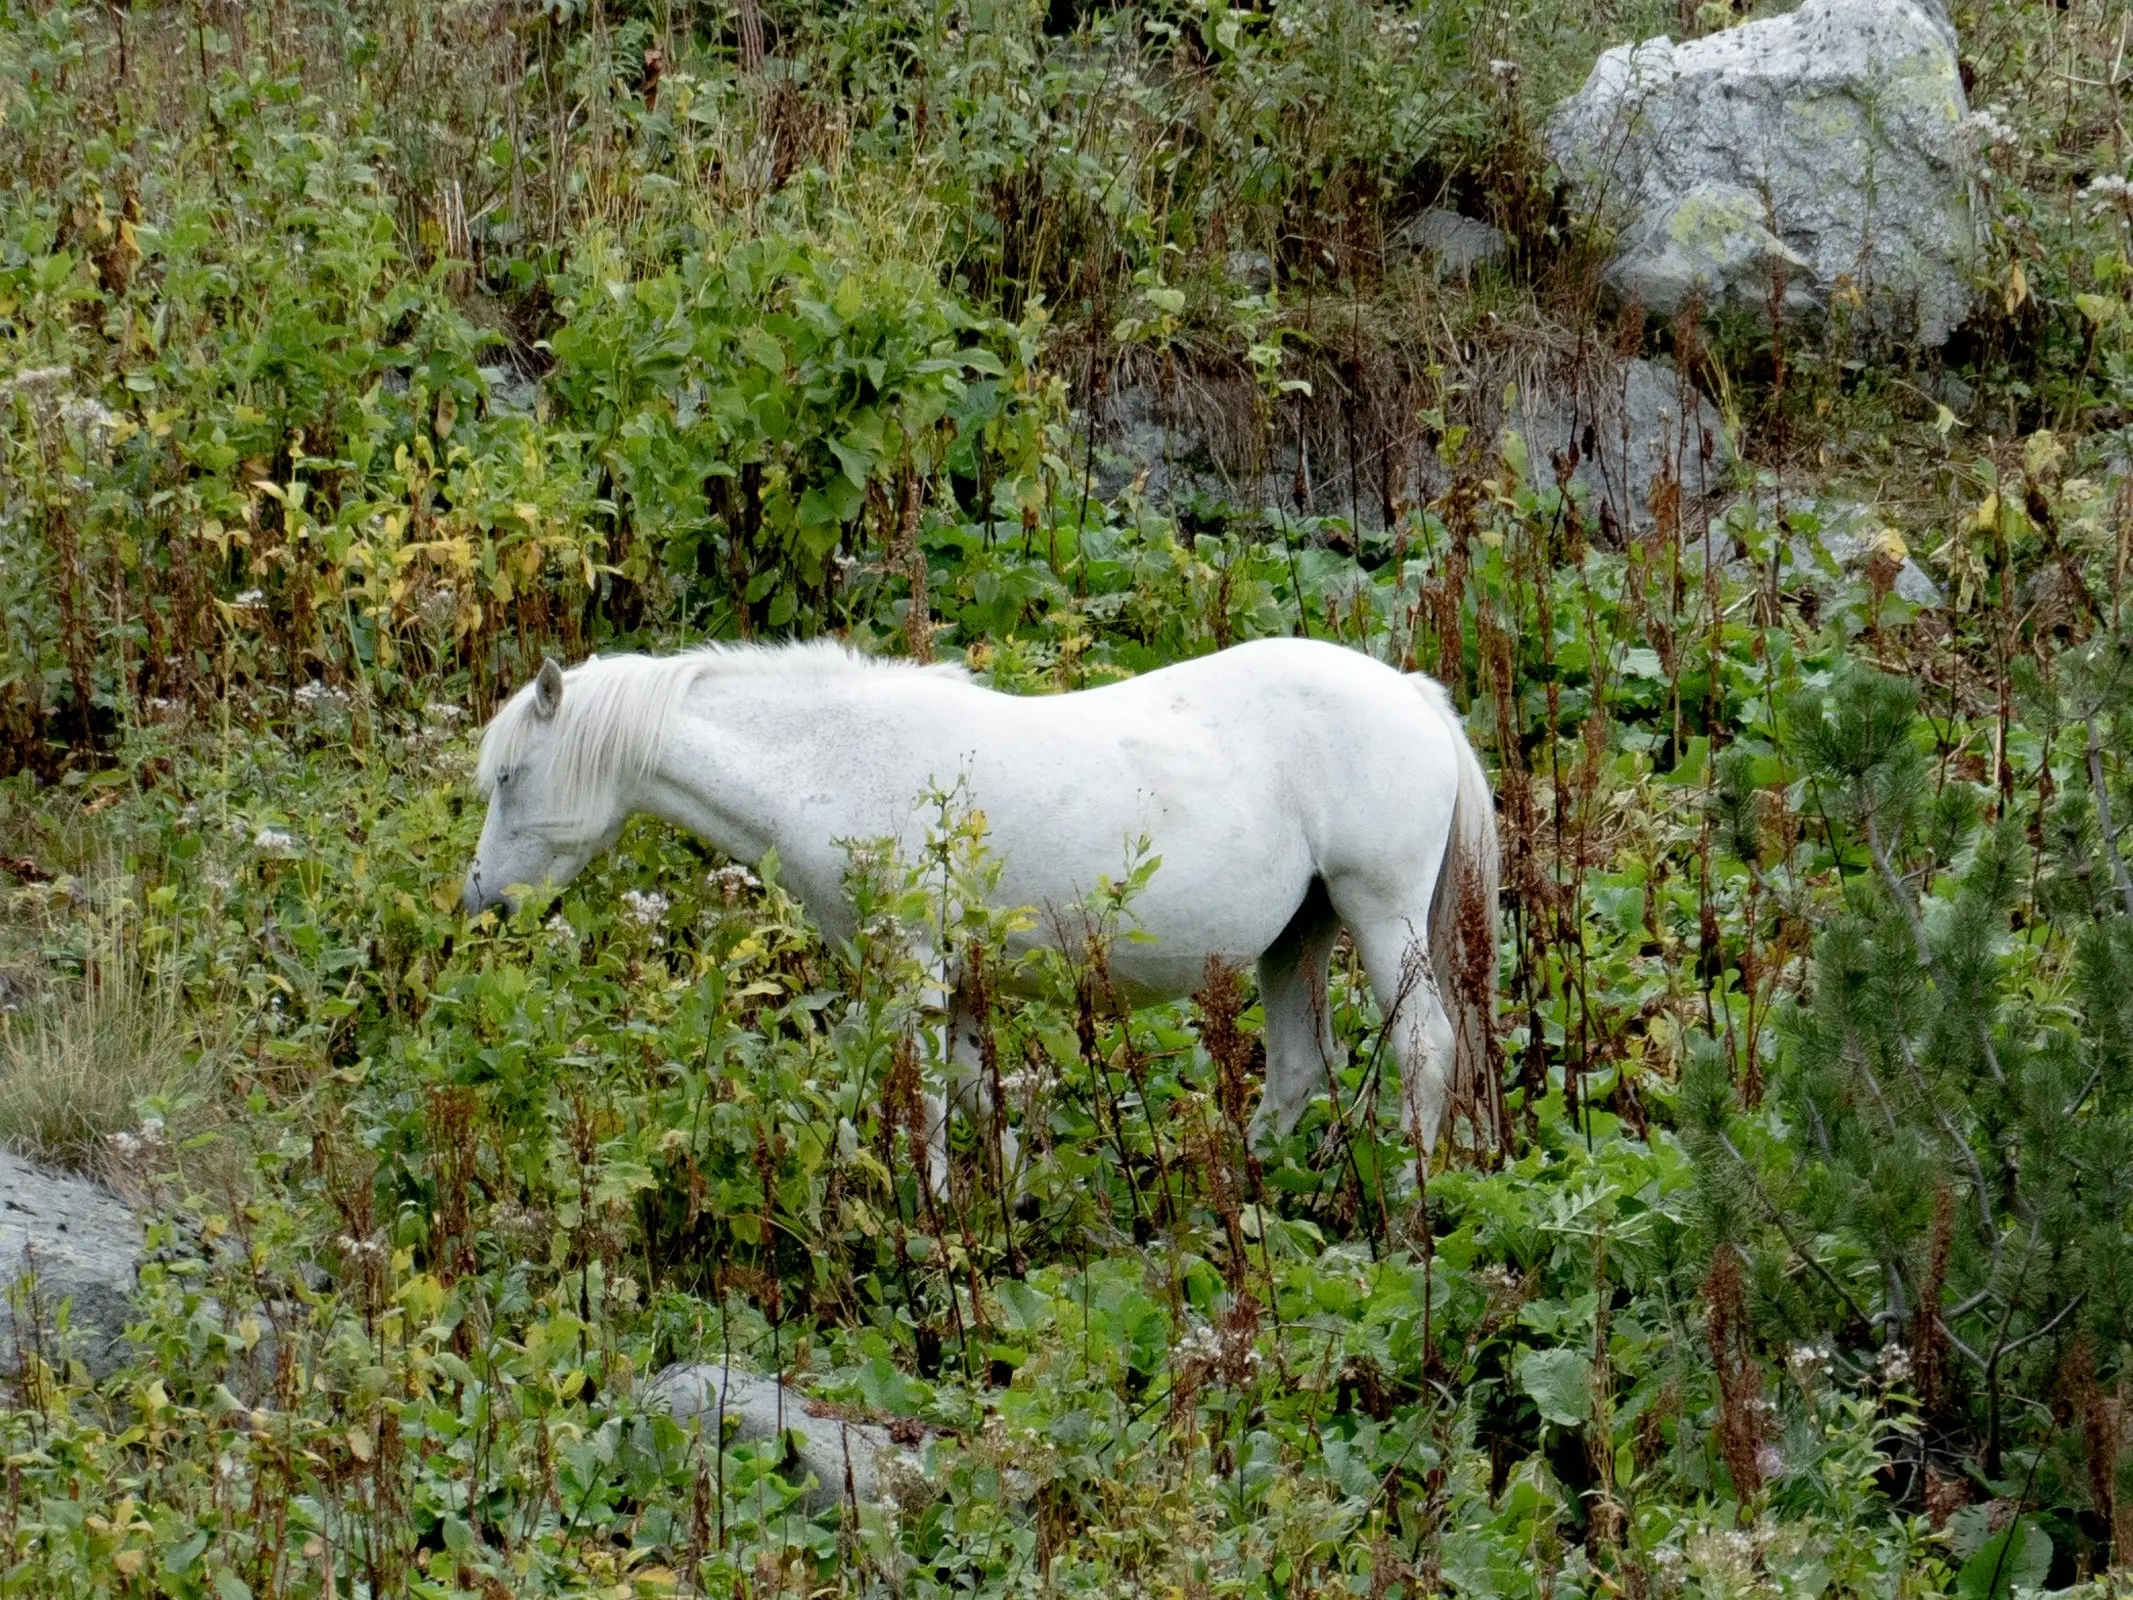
[[1223, 898]]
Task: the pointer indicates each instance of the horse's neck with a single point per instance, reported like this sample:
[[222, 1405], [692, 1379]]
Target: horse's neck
[[725, 767]]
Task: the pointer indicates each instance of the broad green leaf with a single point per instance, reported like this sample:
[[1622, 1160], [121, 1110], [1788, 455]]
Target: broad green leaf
[[1560, 1384], [2016, 1558], [2100, 309]]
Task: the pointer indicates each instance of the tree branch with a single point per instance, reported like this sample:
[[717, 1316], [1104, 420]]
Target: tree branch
[[2035, 1334], [1955, 1138], [1778, 1217]]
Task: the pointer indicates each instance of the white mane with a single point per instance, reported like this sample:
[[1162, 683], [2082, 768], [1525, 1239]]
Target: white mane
[[616, 709]]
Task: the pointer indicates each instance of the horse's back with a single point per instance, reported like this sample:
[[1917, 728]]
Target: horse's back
[[1249, 772]]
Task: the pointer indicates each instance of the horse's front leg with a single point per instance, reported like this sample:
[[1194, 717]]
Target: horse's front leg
[[1293, 977], [969, 1091], [970, 1085], [939, 1004]]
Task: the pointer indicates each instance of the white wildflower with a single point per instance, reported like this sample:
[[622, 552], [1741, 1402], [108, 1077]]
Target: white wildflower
[[1727, 1554], [1768, 1462], [1991, 129], [92, 418], [561, 935], [1501, 1282], [1200, 1343], [647, 909], [2111, 192], [440, 606], [249, 599], [440, 711], [1809, 1361], [316, 696], [1895, 1364], [1504, 72], [1229, 1347], [34, 380], [729, 883], [274, 842]]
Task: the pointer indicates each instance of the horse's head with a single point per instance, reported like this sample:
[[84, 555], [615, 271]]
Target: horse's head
[[545, 819]]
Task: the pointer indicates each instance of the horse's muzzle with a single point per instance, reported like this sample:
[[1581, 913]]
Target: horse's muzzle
[[477, 899]]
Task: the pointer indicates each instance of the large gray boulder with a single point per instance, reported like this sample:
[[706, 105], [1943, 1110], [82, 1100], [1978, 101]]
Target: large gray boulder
[[1631, 422], [64, 1242], [1831, 143], [1629, 425]]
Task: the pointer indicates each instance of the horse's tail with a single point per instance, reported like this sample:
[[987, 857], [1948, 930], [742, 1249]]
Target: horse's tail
[[1462, 932]]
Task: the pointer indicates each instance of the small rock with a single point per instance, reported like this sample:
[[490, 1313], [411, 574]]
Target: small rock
[[1848, 535], [84, 1246], [1252, 268], [1458, 244], [1954, 393], [1851, 534], [1834, 140], [845, 1459], [510, 390]]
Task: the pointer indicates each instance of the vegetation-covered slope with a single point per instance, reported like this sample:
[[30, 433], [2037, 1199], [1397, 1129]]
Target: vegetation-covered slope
[[351, 358]]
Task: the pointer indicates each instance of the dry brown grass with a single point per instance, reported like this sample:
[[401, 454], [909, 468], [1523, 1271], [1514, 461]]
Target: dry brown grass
[[77, 1059]]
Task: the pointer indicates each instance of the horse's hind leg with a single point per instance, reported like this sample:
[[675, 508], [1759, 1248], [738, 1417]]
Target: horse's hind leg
[[1392, 935], [1299, 1018]]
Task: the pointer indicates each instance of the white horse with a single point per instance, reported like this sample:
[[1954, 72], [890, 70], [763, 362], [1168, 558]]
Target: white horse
[[1290, 789]]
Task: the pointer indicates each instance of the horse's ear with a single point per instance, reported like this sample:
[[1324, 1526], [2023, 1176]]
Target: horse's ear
[[548, 689]]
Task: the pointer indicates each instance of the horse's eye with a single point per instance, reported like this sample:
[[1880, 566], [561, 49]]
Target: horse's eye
[[502, 778]]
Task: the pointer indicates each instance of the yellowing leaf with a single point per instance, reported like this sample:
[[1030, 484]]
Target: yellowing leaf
[[2017, 288], [2042, 453], [359, 1444]]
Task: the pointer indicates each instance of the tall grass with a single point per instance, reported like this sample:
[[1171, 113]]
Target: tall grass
[[77, 1060]]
